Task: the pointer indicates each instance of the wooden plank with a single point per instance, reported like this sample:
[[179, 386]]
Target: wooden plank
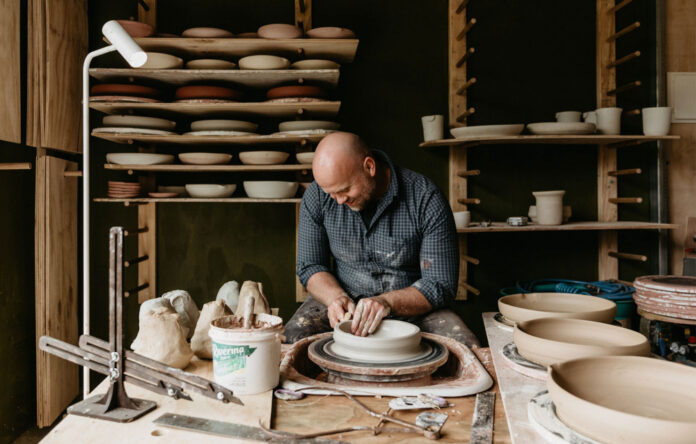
[[10, 71], [339, 50], [502, 227], [56, 283], [586, 139], [605, 53], [7, 166], [147, 12], [301, 292], [183, 139], [147, 246], [143, 200], [267, 109], [247, 77], [204, 168], [303, 14]]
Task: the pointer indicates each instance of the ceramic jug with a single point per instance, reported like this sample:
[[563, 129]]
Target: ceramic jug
[[549, 206]]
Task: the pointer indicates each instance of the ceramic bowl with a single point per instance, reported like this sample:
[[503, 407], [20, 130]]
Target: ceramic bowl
[[263, 62], [551, 128], [207, 33], [160, 60], [626, 399], [304, 158], [131, 130], [106, 89], [209, 64], [136, 29], [330, 32], [315, 64], [138, 122], [550, 340], [139, 158], [282, 92], [206, 92], [263, 157], [223, 125], [527, 306], [301, 125], [393, 340], [210, 190], [279, 31], [486, 130], [204, 158], [270, 189], [178, 189]]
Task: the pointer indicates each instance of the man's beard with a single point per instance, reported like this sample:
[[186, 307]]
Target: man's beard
[[369, 200]]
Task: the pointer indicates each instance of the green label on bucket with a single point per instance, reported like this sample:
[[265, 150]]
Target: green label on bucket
[[230, 358]]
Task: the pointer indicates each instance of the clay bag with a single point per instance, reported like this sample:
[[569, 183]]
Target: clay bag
[[251, 289], [201, 343], [183, 304], [229, 292], [162, 338]]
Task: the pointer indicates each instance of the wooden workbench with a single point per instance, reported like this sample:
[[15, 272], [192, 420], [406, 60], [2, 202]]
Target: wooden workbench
[[311, 414]]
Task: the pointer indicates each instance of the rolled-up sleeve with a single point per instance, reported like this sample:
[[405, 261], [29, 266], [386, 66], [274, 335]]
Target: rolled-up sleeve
[[313, 254], [439, 252]]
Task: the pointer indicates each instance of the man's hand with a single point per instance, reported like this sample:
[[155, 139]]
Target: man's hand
[[368, 315], [338, 308]]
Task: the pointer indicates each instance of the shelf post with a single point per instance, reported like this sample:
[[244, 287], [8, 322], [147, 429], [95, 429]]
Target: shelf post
[[147, 246], [147, 12], [303, 14]]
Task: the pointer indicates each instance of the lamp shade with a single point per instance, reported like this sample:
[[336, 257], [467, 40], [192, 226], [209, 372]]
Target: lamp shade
[[124, 43]]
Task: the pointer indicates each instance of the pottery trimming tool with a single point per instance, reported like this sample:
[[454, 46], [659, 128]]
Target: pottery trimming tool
[[110, 358]]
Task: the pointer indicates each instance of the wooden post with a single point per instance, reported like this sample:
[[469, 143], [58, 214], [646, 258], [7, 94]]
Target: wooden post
[[147, 246], [303, 14], [148, 13]]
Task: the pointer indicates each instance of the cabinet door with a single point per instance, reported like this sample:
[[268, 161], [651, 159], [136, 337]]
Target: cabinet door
[[10, 97]]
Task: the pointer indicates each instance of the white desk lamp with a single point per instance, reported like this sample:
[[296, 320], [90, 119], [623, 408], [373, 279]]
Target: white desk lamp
[[136, 57]]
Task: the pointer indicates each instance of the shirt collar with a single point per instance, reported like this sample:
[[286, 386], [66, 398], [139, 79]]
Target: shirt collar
[[393, 190]]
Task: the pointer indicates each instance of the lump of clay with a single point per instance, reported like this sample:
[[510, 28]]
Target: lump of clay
[[183, 304], [229, 292], [152, 304], [162, 338], [201, 343], [251, 289]]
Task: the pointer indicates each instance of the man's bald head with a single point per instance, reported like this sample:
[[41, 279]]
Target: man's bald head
[[340, 147]]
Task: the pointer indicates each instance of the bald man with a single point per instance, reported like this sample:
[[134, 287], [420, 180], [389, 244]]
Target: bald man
[[391, 234]]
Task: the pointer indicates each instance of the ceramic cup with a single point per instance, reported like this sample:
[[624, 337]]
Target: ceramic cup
[[657, 120], [433, 127], [590, 117], [549, 206], [462, 219], [568, 116], [609, 120], [532, 213]]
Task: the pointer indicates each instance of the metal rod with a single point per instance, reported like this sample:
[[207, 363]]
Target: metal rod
[[466, 29], [623, 88], [624, 59], [625, 172], [633, 112], [467, 173], [471, 260], [466, 55], [629, 256], [461, 6], [15, 166], [464, 87], [623, 200], [470, 288], [623, 32], [136, 290], [137, 260], [466, 113], [127, 233], [618, 6], [469, 201]]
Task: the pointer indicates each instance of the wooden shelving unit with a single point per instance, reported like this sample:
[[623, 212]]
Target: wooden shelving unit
[[502, 227], [186, 139], [209, 168], [617, 141], [145, 200]]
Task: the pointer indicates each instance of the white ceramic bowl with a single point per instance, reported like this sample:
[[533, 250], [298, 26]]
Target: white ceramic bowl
[[210, 190], [263, 157], [300, 125], [393, 340], [205, 158], [551, 128], [270, 189], [223, 125], [263, 62], [139, 158], [305, 158]]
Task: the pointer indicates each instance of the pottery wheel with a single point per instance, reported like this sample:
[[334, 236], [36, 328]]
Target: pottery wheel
[[433, 356], [521, 364], [542, 415], [503, 321]]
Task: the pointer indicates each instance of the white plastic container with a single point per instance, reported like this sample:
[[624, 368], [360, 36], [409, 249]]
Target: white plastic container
[[246, 361], [549, 207]]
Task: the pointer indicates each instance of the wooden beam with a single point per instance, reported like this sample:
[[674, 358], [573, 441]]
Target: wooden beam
[[147, 246], [625, 172], [303, 14], [11, 71], [626, 87], [9, 166], [624, 59], [605, 54], [633, 26], [625, 200]]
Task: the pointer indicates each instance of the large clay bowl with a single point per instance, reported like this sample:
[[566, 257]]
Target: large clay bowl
[[393, 340], [315, 64], [626, 399], [263, 61], [279, 31], [210, 191], [207, 33], [263, 157], [209, 64], [270, 189], [550, 340], [330, 32], [160, 60], [527, 306]]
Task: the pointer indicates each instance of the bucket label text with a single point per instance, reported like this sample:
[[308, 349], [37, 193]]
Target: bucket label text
[[230, 358]]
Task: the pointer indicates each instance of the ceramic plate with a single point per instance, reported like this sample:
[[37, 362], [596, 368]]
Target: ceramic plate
[[315, 64], [136, 29], [486, 130], [162, 195], [125, 130], [129, 99], [295, 100], [268, 189], [210, 190], [209, 64], [527, 306], [550, 128], [281, 92], [263, 62], [304, 158], [139, 158], [219, 133], [206, 92], [207, 33], [279, 31], [309, 132], [138, 122], [160, 60], [303, 125], [126, 89], [330, 32], [263, 157], [179, 189], [204, 158], [224, 125]]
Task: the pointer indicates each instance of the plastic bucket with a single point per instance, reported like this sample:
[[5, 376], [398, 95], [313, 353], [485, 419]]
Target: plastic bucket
[[625, 311], [246, 361]]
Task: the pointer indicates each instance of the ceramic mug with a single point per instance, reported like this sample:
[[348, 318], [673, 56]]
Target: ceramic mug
[[568, 116], [609, 120], [532, 213], [590, 117], [549, 206], [657, 120], [462, 219], [433, 127]]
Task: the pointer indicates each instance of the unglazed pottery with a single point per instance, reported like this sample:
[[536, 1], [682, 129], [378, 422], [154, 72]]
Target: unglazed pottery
[[315, 64], [123, 99], [626, 399], [223, 125], [184, 305], [263, 62], [201, 343], [207, 33], [609, 120], [178, 189], [209, 64], [161, 337], [206, 92], [126, 130], [656, 120], [433, 127], [300, 125], [139, 158], [305, 158], [229, 293], [136, 29], [270, 189], [392, 341], [210, 190], [673, 296], [568, 116], [263, 157], [546, 341], [330, 32], [160, 60], [527, 306], [486, 131], [281, 92], [279, 31], [462, 219], [162, 195], [549, 207], [127, 89], [205, 158], [253, 290], [138, 122], [219, 133], [560, 128]]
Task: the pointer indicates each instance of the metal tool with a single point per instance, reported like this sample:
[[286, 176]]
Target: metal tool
[[517, 221], [110, 358], [482, 426]]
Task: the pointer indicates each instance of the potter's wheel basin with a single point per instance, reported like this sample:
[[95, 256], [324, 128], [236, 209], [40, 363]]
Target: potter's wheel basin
[[527, 306], [619, 399]]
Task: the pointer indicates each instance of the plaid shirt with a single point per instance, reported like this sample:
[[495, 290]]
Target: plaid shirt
[[411, 240]]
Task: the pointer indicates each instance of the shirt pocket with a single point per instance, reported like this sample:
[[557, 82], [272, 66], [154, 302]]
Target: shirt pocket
[[396, 253]]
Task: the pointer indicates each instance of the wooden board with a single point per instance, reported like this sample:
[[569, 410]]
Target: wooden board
[[57, 382], [499, 227], [137, 200], [248, 77], [182, 139], [147, 246], [339, 50], [10, 72], [267, 109], [203, 168], [587, 139], [77, 429]]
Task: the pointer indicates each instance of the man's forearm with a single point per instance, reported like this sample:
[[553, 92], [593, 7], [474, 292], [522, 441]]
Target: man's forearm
[[324, 287], [407, 302]]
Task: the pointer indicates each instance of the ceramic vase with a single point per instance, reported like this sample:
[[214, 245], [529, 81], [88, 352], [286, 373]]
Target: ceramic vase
[[549, 207]]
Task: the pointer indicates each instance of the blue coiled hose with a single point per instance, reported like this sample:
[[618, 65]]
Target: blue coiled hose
[[611, 290]]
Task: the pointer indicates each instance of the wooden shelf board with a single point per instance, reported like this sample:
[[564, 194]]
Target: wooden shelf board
[[497, 227], [182, 139], [340, 50], [591, 139], [268, 109], [196, 199], [251, 78], [202, 168], [663, 318]]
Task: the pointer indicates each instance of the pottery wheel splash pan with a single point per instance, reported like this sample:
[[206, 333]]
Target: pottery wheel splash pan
[[626, 399], [425, 363], [527, 306]]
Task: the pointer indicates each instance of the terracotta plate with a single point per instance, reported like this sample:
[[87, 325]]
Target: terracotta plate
[[279, 31], [330, 32], [315, 64], [209, 33], [206, 92], [136, 29], [138, 122], [281, 92], [111, 89], [209, 64], [527, 306]]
